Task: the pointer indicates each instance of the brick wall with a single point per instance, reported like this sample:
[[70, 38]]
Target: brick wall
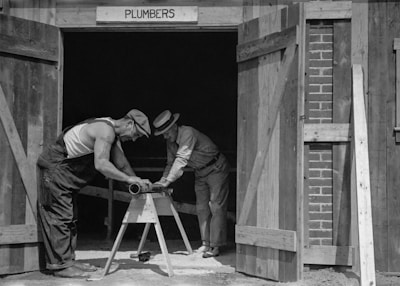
[[319, 110]]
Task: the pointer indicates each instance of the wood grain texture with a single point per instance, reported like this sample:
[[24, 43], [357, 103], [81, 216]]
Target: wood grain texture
[[364, 204], [341, 115], [328, 10], [328, 255], [26, 81], [266, 237], [393, 149], [268, 187], [378, 91], [327, 132], [208, 16], [248, 102]]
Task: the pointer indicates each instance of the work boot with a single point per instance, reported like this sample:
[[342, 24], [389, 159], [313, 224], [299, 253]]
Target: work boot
[[70, 272], [213, 252], [85, 266]]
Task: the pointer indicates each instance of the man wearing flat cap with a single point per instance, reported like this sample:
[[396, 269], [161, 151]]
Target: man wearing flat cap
[[186, 146], [68, 165]]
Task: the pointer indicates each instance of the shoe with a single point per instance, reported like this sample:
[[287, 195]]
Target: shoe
[[213, 252], [85, 266], [203, 249], [70, 272]]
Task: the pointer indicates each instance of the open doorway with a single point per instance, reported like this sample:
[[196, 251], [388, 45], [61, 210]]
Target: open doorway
[[192, 73]]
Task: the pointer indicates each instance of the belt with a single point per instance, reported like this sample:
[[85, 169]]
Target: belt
[[212, 161]]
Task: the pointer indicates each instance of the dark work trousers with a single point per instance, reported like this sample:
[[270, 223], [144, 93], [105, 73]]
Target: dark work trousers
[[212, 190], [61, 180]]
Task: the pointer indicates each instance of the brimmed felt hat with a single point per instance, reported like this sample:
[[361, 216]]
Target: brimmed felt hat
[[164, 121], [141, 121]]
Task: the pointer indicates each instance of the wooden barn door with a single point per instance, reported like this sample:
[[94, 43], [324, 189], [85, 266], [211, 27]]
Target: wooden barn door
[[270, 145], [29, 103]]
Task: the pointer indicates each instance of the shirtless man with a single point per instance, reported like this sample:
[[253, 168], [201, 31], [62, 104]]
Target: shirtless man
[[71, 163]]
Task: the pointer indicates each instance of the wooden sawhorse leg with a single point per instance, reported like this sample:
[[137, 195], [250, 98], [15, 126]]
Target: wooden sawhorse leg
[[143, 209], [115, 247]]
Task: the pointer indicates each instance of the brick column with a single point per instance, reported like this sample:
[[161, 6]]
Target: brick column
[[319, 110]]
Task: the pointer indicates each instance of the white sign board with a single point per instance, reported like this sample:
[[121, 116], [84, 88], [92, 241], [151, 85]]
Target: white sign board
[[151, 14]]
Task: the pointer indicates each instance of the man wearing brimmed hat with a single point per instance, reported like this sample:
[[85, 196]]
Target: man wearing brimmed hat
[[187, 146], [71, 163]]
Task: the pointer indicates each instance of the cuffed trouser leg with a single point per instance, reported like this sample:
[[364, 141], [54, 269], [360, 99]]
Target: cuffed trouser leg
[[211, 205], [203, 210], [219, 189], [58, 224]]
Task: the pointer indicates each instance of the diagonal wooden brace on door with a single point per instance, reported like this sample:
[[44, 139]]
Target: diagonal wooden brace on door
[[24, 168], [260, 158]]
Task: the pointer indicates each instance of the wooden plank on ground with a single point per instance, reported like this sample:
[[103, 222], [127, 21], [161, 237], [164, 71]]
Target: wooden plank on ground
[[265, 45], [266, 237], [327, 132], [328, 255], [19, 233], [364, 206], [328, 10]]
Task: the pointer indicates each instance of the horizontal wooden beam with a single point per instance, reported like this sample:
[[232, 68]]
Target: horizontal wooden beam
[[396, 44], [327, 132], [328, 10], [19, 233], [265, 45], [27, 48], [266, 237], [127, 197], [328, 255], [224, 17]]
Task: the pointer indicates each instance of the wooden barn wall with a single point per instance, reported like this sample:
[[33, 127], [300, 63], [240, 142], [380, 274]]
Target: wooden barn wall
[[211, 13], [30, 89], [43, 11], [384, 26], [31, 101]]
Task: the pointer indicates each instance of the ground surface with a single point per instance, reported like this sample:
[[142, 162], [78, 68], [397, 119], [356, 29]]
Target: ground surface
[[188, 270]]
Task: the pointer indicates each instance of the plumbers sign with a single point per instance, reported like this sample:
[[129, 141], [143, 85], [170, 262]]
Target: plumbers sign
[[182, 14]]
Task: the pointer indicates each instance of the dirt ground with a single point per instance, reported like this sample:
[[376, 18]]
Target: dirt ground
[[188, 270]]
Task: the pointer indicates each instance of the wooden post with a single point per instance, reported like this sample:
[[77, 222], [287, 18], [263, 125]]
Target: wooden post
[[110, 208]]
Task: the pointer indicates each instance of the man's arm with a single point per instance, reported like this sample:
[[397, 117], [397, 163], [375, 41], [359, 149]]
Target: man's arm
[[180, 160], [119, 159], [104, 139]]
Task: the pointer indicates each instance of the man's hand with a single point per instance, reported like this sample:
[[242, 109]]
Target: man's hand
[[163, 182], [145, 184]]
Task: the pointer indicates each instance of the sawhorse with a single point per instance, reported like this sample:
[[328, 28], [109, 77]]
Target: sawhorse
[[145, 208]]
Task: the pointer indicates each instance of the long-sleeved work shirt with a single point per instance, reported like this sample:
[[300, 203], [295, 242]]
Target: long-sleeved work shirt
[[192, 148]]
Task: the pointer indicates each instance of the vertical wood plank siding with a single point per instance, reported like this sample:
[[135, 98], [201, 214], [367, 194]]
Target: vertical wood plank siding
[[30, 88], [392, 28], [341, 114]]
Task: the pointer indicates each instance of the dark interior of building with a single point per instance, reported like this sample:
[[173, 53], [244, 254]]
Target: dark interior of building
[[191, 73]]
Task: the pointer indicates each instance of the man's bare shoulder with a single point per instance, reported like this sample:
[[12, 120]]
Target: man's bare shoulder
[[99, 130]]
